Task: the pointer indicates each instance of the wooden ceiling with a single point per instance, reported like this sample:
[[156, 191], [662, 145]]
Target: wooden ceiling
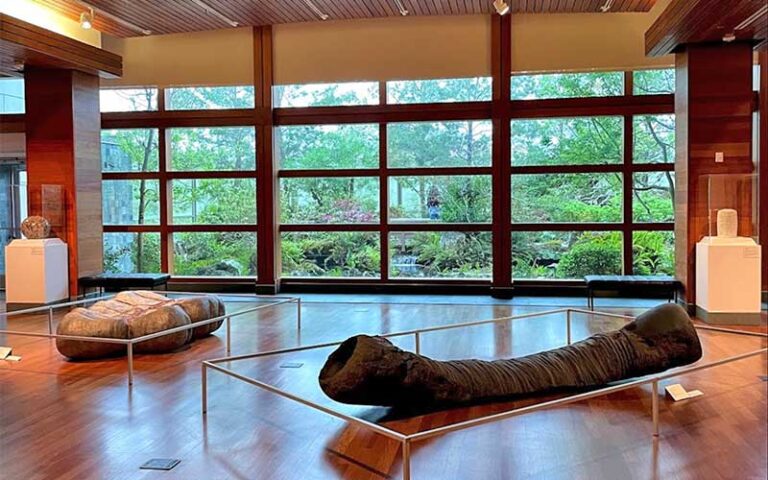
[[174, 16], [707, 21]]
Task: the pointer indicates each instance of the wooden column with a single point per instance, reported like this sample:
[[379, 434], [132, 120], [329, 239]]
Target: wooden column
[[713, 108], [763, 167], [64, 162], [267, 187]]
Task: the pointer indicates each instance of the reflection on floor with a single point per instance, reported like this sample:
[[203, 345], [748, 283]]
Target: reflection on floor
[[61, 419]]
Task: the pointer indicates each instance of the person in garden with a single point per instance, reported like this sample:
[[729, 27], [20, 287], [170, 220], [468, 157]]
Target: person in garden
[[433, 203]]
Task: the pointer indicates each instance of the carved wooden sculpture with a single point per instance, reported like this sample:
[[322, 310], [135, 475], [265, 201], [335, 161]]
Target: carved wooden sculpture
[[369, 370]]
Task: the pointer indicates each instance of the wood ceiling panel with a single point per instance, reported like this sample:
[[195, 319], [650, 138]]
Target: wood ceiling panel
[[176, 16]]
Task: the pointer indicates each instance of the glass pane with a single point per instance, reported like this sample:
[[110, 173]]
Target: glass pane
[[566, 255], [440, 255], [650, 82], [130, 202], [129, 150], [326, 94], [577, 197], [568, 141], [214, 254], [653, 197], [653, 253], [440, 144], [11, 95], [131, 252], [331, 254], [214, 201], [654, 139], [567, 85], [218, 148], [448, 199], [439, 91], [128, 99], [327, 146], [209, 98], [329, 200]]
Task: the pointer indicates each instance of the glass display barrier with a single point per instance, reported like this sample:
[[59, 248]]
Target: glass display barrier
[[733, 208]]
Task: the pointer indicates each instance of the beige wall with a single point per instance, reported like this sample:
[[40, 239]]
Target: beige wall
[[382, 49], [220, 57], [585, 41], [389, 49]]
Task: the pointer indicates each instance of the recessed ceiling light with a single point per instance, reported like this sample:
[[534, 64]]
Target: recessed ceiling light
[[502, 8], [86, 20], [729, 37]]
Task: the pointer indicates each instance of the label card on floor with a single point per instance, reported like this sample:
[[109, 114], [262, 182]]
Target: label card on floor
[[160, 464], [677, 392], [4, 352]]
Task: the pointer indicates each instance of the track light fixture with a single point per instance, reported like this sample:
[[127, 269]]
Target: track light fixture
[[752, 18], [607, 6], [86, 20], [316, 10], [208, 9], [401, 7], [502, 8], [93, 10]]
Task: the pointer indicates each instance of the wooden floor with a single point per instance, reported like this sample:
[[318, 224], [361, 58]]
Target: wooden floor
[[68, 420]]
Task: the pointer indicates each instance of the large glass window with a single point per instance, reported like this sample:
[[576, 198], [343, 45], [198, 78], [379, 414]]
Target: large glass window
[[129, 150], [214, 201], [130, 202], [331, 254], [439, 91], [653, 197], [440, 144], [653, 253], [219, 148], [565, 255], [128, 99], [567, 85], [11, 95], [567, 141], [209, 98], [440, 255], [650, 82], [214, 254], [654, 139], [327, 146], [326, 94], [340, 200], [446, 199], [567, 198], [132, 252]]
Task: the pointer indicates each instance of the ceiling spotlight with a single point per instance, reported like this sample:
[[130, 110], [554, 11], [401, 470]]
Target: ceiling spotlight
[[729, 37], [502, 8], [606, 6], [111, 17], [86, 20], [316, 10]]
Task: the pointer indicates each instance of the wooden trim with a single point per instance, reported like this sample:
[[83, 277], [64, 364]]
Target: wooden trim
[[26, 43], [12, 123], [763, 161], [627, 195]]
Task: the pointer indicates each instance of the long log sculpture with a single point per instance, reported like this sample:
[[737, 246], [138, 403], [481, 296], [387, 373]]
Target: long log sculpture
[[367, 370]]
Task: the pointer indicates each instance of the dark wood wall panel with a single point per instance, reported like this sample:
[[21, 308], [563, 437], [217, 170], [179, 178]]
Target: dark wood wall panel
[[186, 16], [763, 137], [713, 106]]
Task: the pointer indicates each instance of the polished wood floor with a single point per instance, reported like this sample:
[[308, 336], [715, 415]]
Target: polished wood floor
[[79, 420]]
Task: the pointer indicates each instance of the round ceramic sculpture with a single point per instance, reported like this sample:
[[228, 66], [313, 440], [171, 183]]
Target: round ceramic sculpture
[[35, 227], [727, 223], [134, 314]]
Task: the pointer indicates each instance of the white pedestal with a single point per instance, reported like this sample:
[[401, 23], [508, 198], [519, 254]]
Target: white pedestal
[[728, 280], [36, 271]]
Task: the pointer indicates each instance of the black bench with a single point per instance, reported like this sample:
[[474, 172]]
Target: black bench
[[630, 284], [113, 282]]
